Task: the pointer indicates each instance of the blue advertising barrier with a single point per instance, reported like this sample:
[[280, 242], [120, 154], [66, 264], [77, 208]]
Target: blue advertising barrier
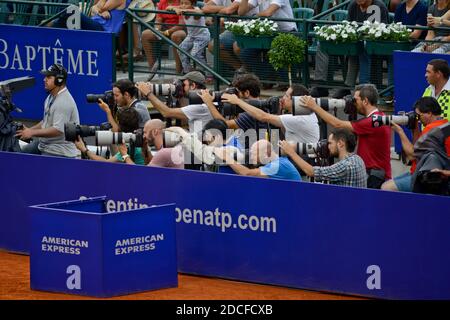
[[79, 248], [303, 235], [410, 81], [87, 56]]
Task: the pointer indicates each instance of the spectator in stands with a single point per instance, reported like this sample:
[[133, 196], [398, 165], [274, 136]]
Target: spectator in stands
[[59, 108], [437, 75], [128, 122], [357, 11], [167, 24], [105, 16], [267, 9], [198, 35], [197, 115], [227, 41], [262, 153], [436, 14], [429, 112], [164, 157], [373, 142], [349, 171], [302, 129], [412, 13]]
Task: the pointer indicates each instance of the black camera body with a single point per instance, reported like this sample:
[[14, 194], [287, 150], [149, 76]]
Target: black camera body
[[72, 130]]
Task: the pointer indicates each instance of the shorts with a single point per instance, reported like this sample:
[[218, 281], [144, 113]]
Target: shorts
[[403, 182]]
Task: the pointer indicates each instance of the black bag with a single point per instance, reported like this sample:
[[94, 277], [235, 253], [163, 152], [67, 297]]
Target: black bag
[[375, 178]]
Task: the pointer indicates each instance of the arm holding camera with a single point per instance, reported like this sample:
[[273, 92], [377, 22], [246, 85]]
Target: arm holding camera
[[309, 103], [208, 100], [226, 155], [146, 90], [407, 146], [109, 116], [302, 164], [254, 112], [38, 131]]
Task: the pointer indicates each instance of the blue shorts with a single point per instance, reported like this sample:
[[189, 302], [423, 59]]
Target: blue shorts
[[403, 182]]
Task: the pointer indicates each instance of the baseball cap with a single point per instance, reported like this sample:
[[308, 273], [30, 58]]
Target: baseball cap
[[55, 70], [195, 76]]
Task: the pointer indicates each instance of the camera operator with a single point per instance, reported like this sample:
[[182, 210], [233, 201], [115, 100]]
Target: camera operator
[[164, 157], [349, 171], [125, 93], [429, 112], [193, 80], [302, 129], [59, 108], [128, 122], [214, 139], [248, 87], [262, 153], [373, 142]]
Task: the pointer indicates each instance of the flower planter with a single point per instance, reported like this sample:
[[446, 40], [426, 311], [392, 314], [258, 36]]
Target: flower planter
[[341, 49], [385, 48], [255, 42]]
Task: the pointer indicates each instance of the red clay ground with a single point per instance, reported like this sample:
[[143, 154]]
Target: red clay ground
[[15, 284]]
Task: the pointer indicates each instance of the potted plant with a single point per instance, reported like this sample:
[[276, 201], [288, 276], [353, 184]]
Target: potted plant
[[286, 50], [382, 39], [257, 33], [339, 39]]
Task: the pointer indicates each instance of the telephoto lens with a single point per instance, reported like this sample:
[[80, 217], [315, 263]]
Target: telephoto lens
[[170, 139], [407, 119], [319, 149]]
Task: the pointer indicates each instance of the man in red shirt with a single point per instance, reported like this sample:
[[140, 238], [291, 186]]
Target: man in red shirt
[[374, 143], [429, 112], [167, 24]]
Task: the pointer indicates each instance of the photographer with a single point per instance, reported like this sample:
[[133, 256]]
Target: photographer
[[164, 157], [59, 108], [349, 171], [302, 129], [262, 153], [373, 142], [249, 88], [193, 80], [429, 113], [128, 122], [125, 93]]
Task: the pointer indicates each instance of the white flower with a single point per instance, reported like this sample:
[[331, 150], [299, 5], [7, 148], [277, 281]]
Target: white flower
[[333, 37]]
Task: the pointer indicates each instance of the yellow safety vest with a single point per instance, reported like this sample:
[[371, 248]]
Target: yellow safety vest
[[443, 99]]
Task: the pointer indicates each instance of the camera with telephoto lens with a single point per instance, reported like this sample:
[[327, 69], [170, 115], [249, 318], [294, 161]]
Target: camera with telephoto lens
[[175, 89], [320, 149], [347, 104], [408, 119], [170, 139], [270, 105], [106, 138], [107, 97], [73, 130]]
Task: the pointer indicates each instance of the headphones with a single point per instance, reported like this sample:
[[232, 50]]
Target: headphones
[[61, 74]]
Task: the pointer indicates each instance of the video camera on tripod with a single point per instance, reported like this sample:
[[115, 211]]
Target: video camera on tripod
[[8, 128]]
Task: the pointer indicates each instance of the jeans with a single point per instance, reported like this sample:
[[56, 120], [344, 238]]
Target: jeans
[[196, 47]]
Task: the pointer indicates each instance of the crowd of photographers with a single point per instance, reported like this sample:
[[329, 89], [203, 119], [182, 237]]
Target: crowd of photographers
[[234, 131]]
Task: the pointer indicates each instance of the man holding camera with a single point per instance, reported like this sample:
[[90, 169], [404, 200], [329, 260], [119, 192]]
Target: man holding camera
[[429, 113], [248, 87], [193, 80], [373, 142], [302, 129], [164, 157], [59, 108], [125, 93], [271, 165], [128, 122], [349, 171]]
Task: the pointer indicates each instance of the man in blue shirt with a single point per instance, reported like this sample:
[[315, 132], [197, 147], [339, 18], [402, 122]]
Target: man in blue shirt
[[273, 166]]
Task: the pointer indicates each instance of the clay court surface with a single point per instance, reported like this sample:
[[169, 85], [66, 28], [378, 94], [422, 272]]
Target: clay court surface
[[15, 284]]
